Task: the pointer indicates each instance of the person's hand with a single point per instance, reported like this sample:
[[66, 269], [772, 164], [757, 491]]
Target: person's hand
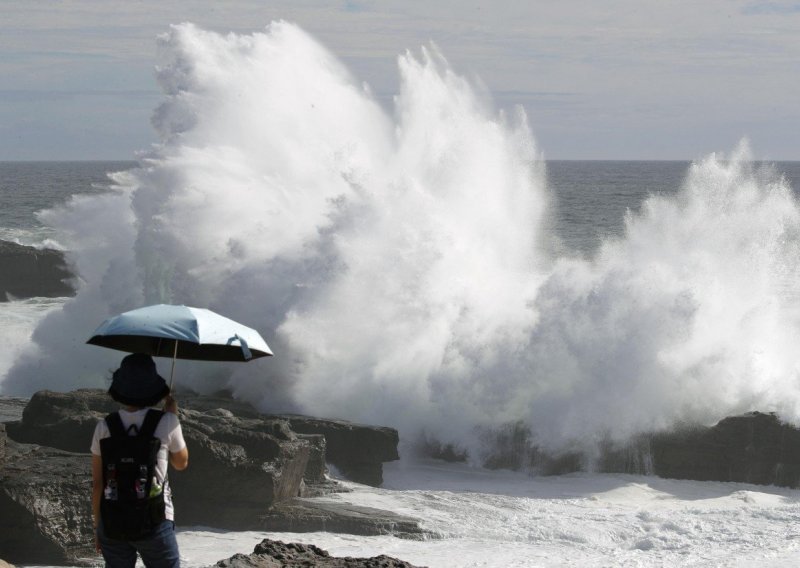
[[170, 405]]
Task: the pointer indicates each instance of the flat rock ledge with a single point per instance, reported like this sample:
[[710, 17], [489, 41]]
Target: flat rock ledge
[[276, 554], [311, 515]]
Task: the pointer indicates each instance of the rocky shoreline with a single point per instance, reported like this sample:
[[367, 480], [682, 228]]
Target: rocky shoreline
[[252, 471], [276, 554], [249, 472]]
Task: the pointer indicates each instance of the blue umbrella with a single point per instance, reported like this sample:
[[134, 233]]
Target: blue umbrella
[[180, 332]]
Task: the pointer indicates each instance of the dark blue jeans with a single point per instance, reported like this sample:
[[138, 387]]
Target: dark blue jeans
[[160, 550]]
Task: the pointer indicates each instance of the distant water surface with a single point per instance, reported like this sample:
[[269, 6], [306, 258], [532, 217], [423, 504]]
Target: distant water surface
[[590, 197], [28, 187], [593, 196]]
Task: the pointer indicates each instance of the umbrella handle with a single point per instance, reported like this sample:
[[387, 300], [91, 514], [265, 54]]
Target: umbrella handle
[[172, 373]]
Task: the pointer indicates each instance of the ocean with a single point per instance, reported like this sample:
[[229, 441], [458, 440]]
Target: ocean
[[487, 518], [424, 268]]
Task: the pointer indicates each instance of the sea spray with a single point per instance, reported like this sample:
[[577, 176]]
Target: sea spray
[[399, 268], [689, 317]]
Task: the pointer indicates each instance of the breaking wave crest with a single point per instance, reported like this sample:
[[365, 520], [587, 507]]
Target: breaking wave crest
[[399, 265]]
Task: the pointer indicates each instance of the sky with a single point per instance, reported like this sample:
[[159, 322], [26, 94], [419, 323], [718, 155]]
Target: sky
[[611, 79]]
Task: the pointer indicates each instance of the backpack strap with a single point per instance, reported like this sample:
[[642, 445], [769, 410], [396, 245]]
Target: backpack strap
[[115, 426], [151, 420]]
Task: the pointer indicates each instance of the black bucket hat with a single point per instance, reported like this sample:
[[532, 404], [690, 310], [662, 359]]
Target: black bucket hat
[[137, 383]]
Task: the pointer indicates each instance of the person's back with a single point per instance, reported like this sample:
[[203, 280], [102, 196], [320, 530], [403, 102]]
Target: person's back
[[137, 385]]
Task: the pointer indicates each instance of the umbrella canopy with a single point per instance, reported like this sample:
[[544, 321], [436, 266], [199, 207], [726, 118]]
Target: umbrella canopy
[[180, 332]]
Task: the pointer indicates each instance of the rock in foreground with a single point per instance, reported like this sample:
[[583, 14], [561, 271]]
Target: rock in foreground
[[45, 506], [276, 554]]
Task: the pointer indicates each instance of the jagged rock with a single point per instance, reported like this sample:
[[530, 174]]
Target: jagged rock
[[4, 564], [316, 470], [308, 515], [26, 272], [62, 420], [222, 399], [239, 466], [45, 506], [752, 448], [357, 451], [276, 554]]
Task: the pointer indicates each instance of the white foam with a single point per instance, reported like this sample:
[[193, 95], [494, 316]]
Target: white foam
[[509, 519], [18, 319]]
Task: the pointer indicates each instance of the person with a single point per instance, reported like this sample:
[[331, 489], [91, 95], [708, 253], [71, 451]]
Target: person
[[137, 386]]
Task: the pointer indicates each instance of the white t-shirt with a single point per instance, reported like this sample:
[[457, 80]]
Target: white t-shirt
[[168, 431]]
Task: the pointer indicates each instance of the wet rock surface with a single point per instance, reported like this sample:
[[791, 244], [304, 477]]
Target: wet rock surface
[[307, 515], [752, 448], [358, 451], [276, 554], [45, 507], [26, 272]]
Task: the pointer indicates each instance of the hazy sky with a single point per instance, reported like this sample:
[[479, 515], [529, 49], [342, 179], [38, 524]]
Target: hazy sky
[[635, 79]]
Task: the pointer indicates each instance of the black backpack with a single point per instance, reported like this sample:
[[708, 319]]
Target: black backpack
[[133, 503]]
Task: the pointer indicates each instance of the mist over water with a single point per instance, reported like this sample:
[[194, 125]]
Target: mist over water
[[400, 267]]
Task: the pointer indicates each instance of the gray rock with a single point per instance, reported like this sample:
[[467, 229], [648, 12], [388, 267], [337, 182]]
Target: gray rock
[[316, 469], [241, 470], [45, 507], [310, 515], [238, 466], [357, 450], [62, 420], [276, 554], [26, 272], [753, 448]]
